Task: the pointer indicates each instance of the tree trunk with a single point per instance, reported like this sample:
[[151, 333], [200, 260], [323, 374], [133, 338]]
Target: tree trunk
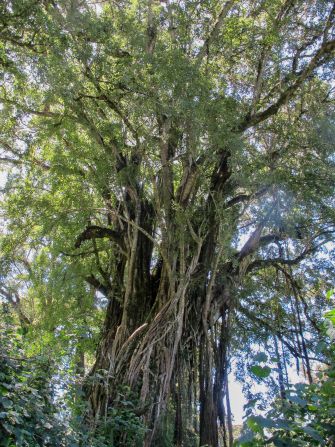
[[208, 410], [280, 370]]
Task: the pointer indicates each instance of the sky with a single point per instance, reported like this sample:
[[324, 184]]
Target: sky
[[237, 400]]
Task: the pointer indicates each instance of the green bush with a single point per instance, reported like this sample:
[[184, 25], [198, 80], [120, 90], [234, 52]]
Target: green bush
[[306, 417]]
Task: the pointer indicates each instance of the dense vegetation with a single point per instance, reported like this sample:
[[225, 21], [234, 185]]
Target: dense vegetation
[[167, 211]]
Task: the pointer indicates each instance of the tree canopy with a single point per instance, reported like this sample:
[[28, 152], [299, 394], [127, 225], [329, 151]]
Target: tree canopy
[[168, 207]]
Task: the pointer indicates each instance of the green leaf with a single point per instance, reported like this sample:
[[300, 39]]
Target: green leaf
[[312, 407], [247, 437], [271, 423], [297, 400], [329, 294], [253, 424], [330, 315], [260, 371], [284, 442], [263, 422], [313, 433], [7, 403], [261, 357]]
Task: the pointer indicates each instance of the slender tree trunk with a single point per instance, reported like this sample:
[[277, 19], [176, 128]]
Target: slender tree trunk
[[280, 370], [208, 411], [229, 415], [178, 425]]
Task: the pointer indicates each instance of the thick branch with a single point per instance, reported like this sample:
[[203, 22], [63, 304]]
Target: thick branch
[[93, 281], [46, 112], [216, 29], [262, 263], [255, 240], [96, 232], [245, 197], [321, 56]]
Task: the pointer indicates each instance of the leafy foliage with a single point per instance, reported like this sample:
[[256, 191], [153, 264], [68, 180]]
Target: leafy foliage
[[306, 416], [28, 414]]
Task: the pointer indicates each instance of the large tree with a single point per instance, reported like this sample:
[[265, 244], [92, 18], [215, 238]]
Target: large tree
[[171, 156]]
